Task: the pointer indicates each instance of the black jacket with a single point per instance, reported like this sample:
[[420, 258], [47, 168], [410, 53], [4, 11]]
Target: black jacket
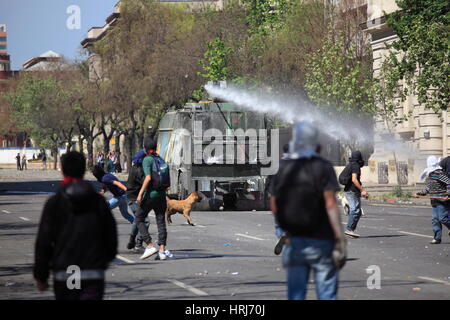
[[76, 228]]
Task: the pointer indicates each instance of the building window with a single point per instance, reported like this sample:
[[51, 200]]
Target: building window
[[2, 39], [2, 46]]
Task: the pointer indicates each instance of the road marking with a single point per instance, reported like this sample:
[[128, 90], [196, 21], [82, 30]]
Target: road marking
[[25, 219], [6, 211], [435, 280], [250, 237], [125, 259], [415, 234], [188, 287], [27, 192], [398, 206]]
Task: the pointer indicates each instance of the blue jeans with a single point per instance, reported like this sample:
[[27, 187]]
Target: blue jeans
[[122, 203], [303, 255], [354, 214], [134, 229], [440, 216]]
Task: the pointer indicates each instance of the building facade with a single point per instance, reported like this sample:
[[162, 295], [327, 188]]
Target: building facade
[[400, 154]]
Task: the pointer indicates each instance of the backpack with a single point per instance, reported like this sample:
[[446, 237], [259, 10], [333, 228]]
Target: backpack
[[135, 180], [160, 174], [300, 203], [346, 175]]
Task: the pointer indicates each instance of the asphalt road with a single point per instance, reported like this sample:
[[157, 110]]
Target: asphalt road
[[229, 255]]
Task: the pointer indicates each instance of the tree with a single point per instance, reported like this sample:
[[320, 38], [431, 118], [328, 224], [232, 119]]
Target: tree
[[420, 57], [39, 106]]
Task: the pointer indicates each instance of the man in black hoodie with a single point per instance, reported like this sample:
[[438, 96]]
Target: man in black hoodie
[[77, 232], [353, 192]]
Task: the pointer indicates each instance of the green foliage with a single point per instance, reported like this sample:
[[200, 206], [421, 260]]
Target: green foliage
[[336, 79], [265, 16], [420, 57], [216, 60]]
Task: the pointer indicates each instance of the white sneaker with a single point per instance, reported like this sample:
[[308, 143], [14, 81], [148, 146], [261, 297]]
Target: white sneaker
[[162, 255], [149, 251]]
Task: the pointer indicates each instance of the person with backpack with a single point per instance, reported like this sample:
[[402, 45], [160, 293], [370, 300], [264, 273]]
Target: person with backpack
[[304, 203], [136, 177], [350, 177], [76, 229], [153, 196], [112, 184]]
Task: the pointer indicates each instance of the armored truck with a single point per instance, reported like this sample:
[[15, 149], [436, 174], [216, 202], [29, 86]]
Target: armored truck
[[218, 150]]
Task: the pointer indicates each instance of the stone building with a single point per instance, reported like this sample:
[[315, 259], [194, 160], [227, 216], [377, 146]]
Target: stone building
[[400, 156]]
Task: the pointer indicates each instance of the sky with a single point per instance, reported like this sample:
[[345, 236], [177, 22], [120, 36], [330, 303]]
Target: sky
[[37, 26]]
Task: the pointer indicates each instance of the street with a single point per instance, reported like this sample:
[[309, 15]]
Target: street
[[229, 255]]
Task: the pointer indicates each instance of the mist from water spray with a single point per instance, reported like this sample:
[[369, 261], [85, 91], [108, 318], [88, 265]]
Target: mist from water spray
[[289, 109]]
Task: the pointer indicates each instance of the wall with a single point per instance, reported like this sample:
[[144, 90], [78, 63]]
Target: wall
[[8, 155]]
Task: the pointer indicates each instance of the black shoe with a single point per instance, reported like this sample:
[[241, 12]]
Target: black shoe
[[434, 241], [279, 246], [132, 243]]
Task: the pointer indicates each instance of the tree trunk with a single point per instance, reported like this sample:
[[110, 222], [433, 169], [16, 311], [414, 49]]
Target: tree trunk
[[129, 146], [55, 157], [90, 151], [80, 144]]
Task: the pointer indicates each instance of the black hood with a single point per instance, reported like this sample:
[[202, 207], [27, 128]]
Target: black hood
[[357, 157], [79, 194], [445, 164]]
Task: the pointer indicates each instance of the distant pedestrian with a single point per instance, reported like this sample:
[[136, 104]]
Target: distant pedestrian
[[77, 230], [34, 156], [112, 184], [44, 161], [438, 187], [304, 202], [24, 162], [19, 167], [353, 191]]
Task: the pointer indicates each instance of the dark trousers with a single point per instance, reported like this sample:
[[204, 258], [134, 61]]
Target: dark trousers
[[159, 206], [90, 290]]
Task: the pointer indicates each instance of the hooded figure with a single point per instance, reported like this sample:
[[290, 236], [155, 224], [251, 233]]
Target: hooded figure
[[305, 141], [432, 165], [356, 157], [445, 165]]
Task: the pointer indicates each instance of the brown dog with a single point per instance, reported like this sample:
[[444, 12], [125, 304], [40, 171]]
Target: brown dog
[[181, 206]]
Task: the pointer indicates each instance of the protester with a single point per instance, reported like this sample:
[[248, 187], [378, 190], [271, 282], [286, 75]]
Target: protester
[[304, 202], [438, 187], [24, 162], [136, 178], [19, 167], [353, 191], [445, 165], [112, 184], [76, 229], [149, 199]]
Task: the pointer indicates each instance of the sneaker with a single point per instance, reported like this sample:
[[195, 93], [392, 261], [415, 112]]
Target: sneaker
[[279, 246], [351, 234], [435, 241], [149, 251], [162, 255], [168, 254], [132, 243]]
